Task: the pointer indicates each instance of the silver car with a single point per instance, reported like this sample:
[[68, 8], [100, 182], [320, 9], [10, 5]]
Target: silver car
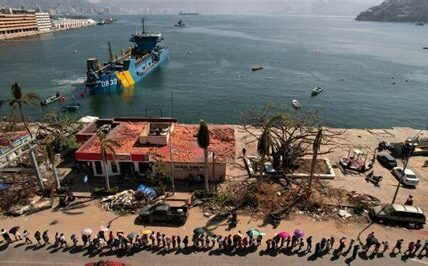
[[409, 178]]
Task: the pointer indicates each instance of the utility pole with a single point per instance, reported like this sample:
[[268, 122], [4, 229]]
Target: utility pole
[[409, 154], [171, 159], [214, 180]]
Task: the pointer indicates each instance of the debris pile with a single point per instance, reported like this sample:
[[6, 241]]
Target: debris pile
[[127, 201], [37, 204], [363, 201]]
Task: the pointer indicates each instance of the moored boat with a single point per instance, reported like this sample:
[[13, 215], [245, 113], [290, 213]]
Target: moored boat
[[296, 104], [317, 90], [51, 99]]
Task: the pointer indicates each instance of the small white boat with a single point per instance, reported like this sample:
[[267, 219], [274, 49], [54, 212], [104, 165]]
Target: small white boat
[[256, 68], [51, 99], [317, 90], [296, 104]]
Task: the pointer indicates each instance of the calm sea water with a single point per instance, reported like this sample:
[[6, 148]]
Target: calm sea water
[[209, 70]]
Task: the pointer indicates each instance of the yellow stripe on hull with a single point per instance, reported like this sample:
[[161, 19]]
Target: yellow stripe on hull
[[125, 78]]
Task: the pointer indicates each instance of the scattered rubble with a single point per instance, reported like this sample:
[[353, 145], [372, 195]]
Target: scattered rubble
[[127, 201]]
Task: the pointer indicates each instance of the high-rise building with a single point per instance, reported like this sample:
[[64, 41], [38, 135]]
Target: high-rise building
[[17, 24], [44, 22]]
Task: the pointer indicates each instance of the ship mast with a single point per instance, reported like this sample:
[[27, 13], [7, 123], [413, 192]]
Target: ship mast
[[142, 20]]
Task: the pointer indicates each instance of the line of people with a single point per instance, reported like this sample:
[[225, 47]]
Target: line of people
[[133, 242]]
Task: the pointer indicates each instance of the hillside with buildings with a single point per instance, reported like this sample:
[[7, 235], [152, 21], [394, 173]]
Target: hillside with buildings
[[397, 11]]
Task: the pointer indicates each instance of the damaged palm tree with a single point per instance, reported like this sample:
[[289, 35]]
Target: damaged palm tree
[[285, 136], [107, 147]]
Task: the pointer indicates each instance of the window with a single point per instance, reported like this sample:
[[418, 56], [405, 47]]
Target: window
[[98, 168], [113, 167]]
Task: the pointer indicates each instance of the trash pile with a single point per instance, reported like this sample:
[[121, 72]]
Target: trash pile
[[37, 204], [364, 201], [127, 201]]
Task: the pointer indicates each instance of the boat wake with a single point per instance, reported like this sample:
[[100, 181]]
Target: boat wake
[[70, 81]]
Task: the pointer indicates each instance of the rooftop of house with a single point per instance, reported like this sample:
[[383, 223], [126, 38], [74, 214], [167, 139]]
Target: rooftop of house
[[184, 142]]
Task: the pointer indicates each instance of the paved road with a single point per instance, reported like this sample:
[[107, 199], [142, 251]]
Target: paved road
[[17, 254]]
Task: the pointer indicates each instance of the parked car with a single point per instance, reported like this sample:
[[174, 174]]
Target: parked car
[[409, 178], [163, 213], [387, 160], [398, 214]]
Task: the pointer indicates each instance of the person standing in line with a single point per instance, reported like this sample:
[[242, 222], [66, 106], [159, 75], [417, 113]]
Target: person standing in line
[[341, 247], [45, 238], [6, 236], [424, 248], [27, 237], [16, 233], [186, 241], [37, 237], [152, 238], [332, 240], [74, 239], [355, 251], [309, 244], [398, 246], [418, 245], [317, 251], [173, 241], [385, 246], [410, 249], [62, 240], [56, 243], [178, 242]]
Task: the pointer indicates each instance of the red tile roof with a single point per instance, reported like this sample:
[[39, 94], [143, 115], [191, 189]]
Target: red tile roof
[[184, 143]]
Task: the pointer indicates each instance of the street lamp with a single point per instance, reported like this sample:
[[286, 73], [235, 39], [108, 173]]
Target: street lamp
[[405, 165]]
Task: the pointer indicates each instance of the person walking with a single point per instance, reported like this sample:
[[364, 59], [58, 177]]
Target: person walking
[[409, 201], [27, 237], [45, 238], [398, 246], [309, 243], [37, 237]]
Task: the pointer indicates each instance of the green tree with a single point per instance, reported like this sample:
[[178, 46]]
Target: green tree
[[19, 100], [204, 143], [107, 146]]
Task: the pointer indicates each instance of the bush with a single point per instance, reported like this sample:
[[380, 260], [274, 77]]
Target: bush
[[200, 194], [222, 199], [101, 191]]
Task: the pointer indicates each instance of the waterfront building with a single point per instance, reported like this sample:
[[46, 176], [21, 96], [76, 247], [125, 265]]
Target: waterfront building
[[149, 143], [66, 24], [44, 22], [15, 24]]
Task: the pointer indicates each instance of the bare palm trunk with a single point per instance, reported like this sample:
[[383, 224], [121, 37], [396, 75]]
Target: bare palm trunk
[[55, 172], [207, 186], [23, 120], [106, 174]]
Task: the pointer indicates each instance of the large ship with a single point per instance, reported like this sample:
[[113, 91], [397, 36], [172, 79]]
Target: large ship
[[130, 67]]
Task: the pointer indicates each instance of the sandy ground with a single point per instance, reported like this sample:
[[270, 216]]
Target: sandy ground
[[88, 213]]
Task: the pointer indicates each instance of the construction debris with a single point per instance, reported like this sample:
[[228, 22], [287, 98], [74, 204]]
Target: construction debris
[[127, 201], [37, 204]]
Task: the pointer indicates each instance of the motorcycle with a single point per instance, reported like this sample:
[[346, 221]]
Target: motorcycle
[[374, 179]]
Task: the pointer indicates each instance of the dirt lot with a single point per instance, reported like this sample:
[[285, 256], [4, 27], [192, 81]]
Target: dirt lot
[[88, 213]]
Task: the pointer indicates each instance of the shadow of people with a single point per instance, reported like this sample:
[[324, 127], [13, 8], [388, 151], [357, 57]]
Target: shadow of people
[[313, 257], [4, 246], [363, 255]]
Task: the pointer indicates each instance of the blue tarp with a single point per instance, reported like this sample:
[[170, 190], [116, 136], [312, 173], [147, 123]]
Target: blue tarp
[[3, 186], [149, 192]]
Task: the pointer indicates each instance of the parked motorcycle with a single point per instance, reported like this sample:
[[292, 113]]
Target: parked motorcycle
[[374, 179]]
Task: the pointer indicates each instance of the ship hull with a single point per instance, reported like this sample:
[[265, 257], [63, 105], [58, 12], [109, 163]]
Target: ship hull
[[112, 81]]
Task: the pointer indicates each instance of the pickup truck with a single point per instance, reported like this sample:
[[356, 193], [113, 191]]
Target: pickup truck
[[163, 213]]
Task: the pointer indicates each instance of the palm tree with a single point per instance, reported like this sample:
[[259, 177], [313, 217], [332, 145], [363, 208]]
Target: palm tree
[[315, 149], [50, 157], [107, 146], [19, 100], [204, 142]]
